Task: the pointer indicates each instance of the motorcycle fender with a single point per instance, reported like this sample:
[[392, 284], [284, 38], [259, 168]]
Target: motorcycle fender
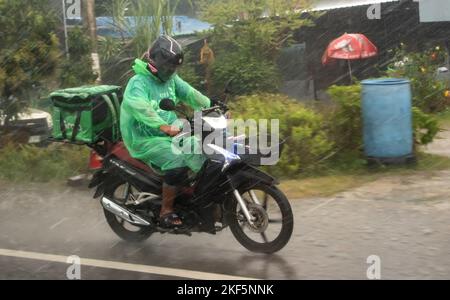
[[102, 181], [97, 179], [99, 191], [251, 176]]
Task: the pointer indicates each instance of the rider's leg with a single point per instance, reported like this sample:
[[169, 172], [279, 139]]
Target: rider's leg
[[172, 180], [169, 194]]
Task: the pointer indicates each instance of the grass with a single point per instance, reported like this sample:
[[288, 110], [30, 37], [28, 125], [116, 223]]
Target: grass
[[323, 186], [27, 163], [58, 162], [444, 118], [339, 178]]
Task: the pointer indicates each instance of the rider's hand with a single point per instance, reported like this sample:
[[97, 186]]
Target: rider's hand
[[170, 130]]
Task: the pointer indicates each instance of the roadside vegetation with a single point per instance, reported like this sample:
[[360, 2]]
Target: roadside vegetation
[[323, 152]]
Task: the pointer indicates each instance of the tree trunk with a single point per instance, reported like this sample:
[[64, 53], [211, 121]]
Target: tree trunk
[[92, 27]]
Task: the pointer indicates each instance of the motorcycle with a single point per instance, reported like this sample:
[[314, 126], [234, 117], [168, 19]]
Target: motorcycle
[[229, 191]]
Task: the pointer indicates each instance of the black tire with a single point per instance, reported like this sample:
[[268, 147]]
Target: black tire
[[142, 234], [287, 222]]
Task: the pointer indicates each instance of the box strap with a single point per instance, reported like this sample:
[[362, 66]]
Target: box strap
[[117, 104], [114, 116], [62, 126], [76, 126]]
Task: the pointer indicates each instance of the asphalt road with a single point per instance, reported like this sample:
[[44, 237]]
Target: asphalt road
[[405, 221]]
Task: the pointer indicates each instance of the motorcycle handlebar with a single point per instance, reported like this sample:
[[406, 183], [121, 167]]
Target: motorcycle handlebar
[[213, 108]]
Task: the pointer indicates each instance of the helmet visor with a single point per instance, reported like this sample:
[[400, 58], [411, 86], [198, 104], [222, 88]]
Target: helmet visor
[[168, 65]]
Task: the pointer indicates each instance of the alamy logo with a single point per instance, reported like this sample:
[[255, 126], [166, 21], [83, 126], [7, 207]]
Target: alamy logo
[[374, 269], [259, 138], [74, 270], [374, 12], [73, 9]]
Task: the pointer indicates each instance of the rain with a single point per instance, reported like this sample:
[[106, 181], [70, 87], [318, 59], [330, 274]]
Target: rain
[[224, 140]]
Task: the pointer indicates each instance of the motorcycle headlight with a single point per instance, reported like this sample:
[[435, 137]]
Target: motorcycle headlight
[[228, 156]]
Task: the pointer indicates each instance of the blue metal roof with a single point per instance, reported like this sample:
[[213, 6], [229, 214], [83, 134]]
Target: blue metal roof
[[182, 25]]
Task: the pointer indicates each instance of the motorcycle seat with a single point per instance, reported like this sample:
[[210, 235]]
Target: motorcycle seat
[[121, 152]]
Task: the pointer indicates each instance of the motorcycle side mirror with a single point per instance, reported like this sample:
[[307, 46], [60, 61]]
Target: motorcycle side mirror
[[167, 104]]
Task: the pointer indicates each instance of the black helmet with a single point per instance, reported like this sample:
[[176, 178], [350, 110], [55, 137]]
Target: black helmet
[[165, 56]]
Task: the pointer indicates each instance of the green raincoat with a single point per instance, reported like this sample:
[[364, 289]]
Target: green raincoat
[[141, 119]]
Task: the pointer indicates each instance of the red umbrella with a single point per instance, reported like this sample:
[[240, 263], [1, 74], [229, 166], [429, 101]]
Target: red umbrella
[[349, 46]]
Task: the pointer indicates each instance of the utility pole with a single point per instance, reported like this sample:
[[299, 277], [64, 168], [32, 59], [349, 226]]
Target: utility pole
[[92, 27], [66, 38]]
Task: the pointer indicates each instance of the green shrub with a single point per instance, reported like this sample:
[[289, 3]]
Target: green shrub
[[426, 127], [30, 163], [251, 74], [345, 121], [307, 142], [428, 91]]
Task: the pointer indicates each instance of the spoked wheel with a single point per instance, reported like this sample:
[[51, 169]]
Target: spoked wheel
[[120, 193], [272, 219]]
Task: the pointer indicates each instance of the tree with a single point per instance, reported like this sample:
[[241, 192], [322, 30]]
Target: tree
[[29, 51], [101, 7], [77, 69], [92, 27], [248, 36]]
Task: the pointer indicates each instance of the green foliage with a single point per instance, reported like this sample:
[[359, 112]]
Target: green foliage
[[151, 17], [188, 71], [307, 142], [426, 127], [29, 163], [250, 74], [77, 70], [223, 12], [109, 47], [420, 68], [345, 123], [28, 51], [247, 49]]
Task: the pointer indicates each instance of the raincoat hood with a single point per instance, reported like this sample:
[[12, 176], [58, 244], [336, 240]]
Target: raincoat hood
[[140, 68]]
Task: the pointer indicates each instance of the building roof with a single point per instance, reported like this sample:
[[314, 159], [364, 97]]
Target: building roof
[[182, 25], [334, 4]]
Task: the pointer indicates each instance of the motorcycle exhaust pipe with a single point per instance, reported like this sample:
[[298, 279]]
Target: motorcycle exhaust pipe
[[123, 213]]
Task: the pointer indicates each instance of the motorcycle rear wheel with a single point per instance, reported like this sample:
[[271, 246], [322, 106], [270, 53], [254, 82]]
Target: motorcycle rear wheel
[[125, 230]]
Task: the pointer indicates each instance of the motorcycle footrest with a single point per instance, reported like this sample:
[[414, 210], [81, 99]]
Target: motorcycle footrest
[[175, 231]]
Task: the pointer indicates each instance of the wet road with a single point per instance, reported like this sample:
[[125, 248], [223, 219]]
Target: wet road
[[403, 220]]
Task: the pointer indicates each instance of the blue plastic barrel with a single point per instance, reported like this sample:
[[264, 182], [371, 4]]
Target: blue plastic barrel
[[387, 119]]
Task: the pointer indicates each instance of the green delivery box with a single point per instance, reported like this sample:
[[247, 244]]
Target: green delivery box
[[86, 114]]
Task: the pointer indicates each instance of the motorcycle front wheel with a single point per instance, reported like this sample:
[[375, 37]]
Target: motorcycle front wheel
[[273, 221]]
